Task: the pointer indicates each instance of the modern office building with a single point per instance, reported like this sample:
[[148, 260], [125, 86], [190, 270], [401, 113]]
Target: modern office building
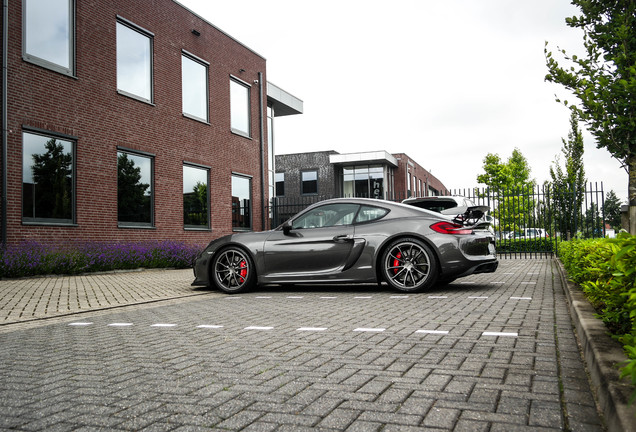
[[376, 174], [125, 121]]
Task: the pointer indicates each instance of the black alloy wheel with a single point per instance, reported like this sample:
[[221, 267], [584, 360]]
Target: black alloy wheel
[[232, 270], [409, 265]]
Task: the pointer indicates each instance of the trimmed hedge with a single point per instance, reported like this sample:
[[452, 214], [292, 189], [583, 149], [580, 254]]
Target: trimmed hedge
[[525, 245], [606, 271]]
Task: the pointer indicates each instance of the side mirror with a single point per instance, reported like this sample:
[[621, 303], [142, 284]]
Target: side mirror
[[287, 227]]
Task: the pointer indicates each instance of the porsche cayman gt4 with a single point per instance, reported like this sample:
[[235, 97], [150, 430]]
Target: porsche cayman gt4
[[354, 240]]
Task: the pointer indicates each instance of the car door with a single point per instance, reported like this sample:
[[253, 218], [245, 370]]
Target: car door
[[317, 244]]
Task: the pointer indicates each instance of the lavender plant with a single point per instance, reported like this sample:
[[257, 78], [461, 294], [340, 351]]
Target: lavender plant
[[33, 258]]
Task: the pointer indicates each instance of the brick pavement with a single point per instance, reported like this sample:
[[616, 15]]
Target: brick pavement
[[269, 378], [44, 297]]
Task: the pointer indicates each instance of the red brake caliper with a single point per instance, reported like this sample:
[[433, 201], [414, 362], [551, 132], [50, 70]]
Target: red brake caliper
[[396, 262], [243, 271]]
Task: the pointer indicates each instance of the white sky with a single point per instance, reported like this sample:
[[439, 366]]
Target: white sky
[[445, 82]]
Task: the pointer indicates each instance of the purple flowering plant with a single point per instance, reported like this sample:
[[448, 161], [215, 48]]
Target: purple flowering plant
[[33, 258]]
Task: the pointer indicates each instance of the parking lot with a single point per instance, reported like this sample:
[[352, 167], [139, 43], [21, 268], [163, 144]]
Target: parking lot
[[491, 352]]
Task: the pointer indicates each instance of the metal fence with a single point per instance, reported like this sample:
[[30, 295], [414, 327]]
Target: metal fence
[[527, 223]]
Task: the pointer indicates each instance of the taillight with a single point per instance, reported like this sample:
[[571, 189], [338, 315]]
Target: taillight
[[450, 228]]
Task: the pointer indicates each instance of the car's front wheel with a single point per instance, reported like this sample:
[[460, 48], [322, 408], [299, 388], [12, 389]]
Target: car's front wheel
[[408, 264], [232, 270]]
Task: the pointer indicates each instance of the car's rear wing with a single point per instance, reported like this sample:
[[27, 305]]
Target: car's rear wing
[[469, 216]]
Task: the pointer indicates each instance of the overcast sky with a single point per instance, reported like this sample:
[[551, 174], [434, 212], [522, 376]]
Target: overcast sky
[[445, 82]]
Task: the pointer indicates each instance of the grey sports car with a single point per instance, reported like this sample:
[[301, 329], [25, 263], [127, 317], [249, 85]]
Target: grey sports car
[[350, 240]]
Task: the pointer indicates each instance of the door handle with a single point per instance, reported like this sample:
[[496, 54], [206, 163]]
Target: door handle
[[343, 238]]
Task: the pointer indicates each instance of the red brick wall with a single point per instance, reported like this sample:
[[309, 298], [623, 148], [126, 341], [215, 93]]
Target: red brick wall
[[416, 170], [88, 106]]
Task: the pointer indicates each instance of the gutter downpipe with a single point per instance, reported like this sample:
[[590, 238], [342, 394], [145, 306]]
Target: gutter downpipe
[[262, 143], [5, 62]]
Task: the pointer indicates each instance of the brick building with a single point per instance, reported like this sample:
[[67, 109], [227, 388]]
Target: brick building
[[127, 120], [377, 174]]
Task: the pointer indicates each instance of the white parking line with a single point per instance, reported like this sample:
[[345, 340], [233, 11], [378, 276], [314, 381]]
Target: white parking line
[[78, 324], [163, 325], [311, 329], [258, 328], [528, 283], [363, 297], [477, 297], [399, 297], [363, 329], [295, 297], [520, 298], [328, 297], [208, 326], [120, 325], [500, 334], [432, 331], [437, 297], [263, 297]]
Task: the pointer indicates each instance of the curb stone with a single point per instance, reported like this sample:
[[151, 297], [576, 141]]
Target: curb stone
[[603, 356]]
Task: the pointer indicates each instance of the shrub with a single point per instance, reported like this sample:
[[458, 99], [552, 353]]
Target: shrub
[[32, 258], [606, 270], [525, 245]]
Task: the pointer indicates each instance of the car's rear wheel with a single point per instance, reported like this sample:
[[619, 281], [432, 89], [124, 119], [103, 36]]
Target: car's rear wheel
[[232, 270], [408, 264]]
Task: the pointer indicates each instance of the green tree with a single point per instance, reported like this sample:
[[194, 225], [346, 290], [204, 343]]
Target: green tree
[[612, 210], [568, 186], [593, 222], [510, 181], [604, 80], [53, 175], [505, 176]]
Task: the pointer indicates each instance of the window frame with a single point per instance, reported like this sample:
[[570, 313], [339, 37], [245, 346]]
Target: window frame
[[302, 182], [72, 44], [250, 206], [132, 224], [207, 227], [191, 57], [51, 221], [151, 38], [276, 182], [248, 89]]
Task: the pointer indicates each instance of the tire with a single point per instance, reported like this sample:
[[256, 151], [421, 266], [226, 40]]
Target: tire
[[409, 265], [232, 270]]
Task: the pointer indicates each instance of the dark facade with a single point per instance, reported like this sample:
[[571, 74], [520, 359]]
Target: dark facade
[[306, 174], [369, 174], [134, 122]]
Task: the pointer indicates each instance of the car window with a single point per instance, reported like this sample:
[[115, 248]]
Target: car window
[[326, 216], [368, 213], [434, 205]]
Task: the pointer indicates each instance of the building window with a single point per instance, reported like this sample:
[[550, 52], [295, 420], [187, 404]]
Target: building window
[[134, 61], [48, 34], [240, 108], [195, 197], [134, 189], [309, 183], [241, 202], [363, 181], [194, 84], [47, 179], [280, 184]]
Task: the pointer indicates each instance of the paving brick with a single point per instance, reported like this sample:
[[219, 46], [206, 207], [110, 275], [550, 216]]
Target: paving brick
[[60, 377]]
